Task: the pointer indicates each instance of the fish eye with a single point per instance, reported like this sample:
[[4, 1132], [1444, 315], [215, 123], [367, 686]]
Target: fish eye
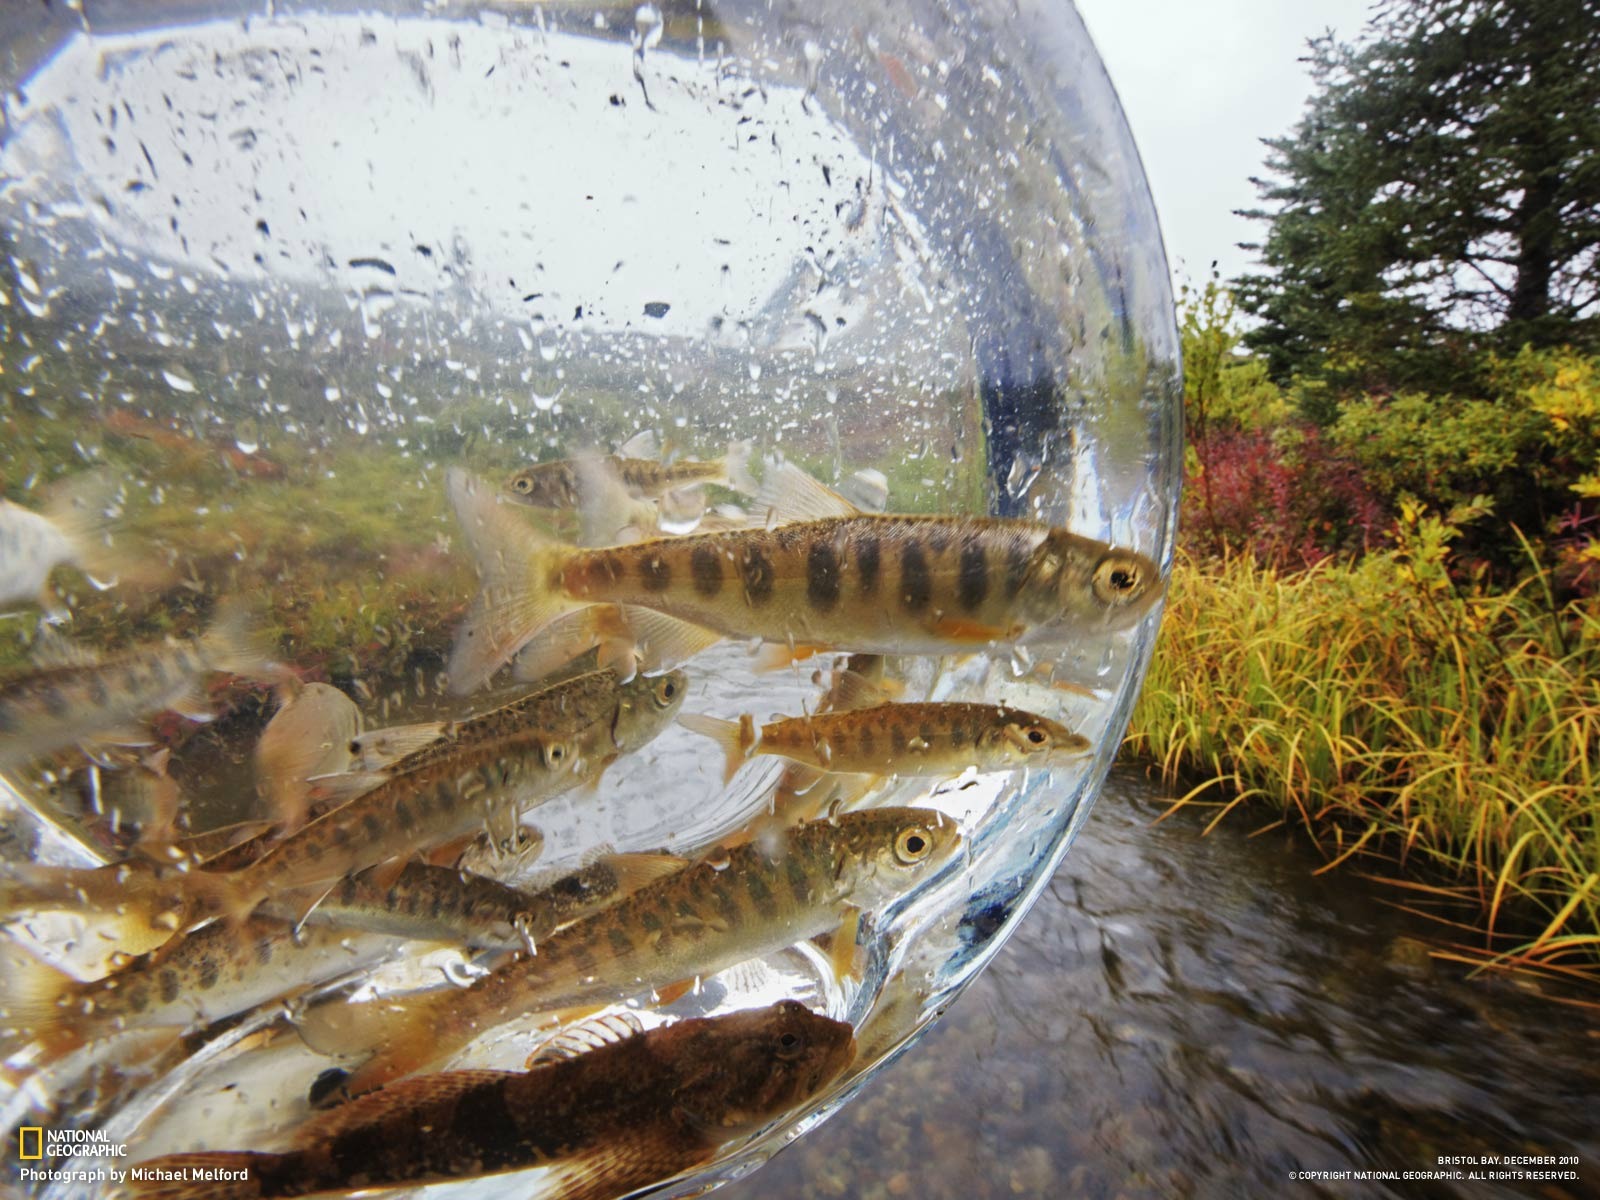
[[788, 1043], [666, 690], [522, 485], [556, 753], [1117, 581], [1035, 735], [913, 845]]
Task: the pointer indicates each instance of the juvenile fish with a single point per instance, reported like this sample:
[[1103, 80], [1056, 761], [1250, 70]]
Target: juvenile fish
[[899, 739], [70, 532], [866, 583], [445, 904], [198, 978], [607, 1122], [64, 702], [560, 484], [495, 766], [755, 900]]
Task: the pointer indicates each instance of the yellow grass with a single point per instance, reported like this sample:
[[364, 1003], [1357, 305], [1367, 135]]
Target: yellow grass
[[1391, 713]]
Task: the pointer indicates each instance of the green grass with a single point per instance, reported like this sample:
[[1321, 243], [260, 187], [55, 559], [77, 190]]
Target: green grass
[[1396, 716]]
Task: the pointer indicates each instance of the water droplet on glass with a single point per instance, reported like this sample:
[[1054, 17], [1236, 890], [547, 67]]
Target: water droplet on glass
[[178, 379], [755, 371], [546, 403], [246, 436]]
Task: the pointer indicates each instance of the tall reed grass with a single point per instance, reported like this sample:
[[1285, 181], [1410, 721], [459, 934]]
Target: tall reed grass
[[1392, 712]]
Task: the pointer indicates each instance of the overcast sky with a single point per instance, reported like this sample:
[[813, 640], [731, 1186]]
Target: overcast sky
[[1201, 84]]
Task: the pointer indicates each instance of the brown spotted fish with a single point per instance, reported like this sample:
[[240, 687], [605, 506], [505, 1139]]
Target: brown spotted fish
[[560, 485], [489, 770], [216, 971], [622, 1116], [899, 739], [823, 575], [74, 696], [755, 899]]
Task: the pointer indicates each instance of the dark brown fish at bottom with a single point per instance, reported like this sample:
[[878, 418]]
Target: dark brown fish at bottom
[[620, 1117]]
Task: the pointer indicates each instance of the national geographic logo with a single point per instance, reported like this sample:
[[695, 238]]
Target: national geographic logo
[[34, 1140]]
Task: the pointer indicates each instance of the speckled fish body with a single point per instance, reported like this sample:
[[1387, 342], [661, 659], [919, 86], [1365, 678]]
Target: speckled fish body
[[496, 765], [902, 739], [864, 583], [560, 485], [606, 1122], [756, 899], [57, 705], [445, 904], [198, 978]]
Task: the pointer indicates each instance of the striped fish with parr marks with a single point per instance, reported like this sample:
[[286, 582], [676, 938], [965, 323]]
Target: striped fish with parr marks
[[627, 1114], [885, 584], [484, 772], [76, 696], [755, 899], [899, 739]]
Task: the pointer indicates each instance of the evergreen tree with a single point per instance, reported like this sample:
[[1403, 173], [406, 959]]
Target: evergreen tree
[[1440, 196]]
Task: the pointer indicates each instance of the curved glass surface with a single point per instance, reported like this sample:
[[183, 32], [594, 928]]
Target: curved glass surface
[[274, 271]]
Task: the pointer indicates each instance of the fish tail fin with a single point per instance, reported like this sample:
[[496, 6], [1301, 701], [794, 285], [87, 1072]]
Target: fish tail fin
[[84, 509], [235, 643], [736, 464], [517, 568], [737, 738], [200, 1176], [32, 1011]]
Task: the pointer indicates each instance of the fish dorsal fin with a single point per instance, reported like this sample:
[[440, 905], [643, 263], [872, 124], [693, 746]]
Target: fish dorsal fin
[[380, 748], [634, 871], [853, 690], [868, 489], [396, 1101], [643, 444], [789, 494], [585, 1036], [53, 650]]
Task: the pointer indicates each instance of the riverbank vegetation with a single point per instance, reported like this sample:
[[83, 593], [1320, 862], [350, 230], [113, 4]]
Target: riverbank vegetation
[[1384, 625]]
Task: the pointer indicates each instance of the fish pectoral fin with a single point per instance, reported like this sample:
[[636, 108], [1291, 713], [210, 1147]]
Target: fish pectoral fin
[[660, 641], [842, 951], [449, 853], [775, 656], [378, 748], [560, 648], [674, 991], [955, 629], [788, 494]]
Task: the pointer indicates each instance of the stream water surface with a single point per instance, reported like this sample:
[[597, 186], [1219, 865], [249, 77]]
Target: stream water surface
[[1195, 1016]]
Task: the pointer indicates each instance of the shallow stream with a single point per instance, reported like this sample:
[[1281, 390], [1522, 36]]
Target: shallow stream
[[1201, 1016]]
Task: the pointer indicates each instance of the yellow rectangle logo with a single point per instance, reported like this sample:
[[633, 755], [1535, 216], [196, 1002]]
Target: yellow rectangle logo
[[38, 1142]]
